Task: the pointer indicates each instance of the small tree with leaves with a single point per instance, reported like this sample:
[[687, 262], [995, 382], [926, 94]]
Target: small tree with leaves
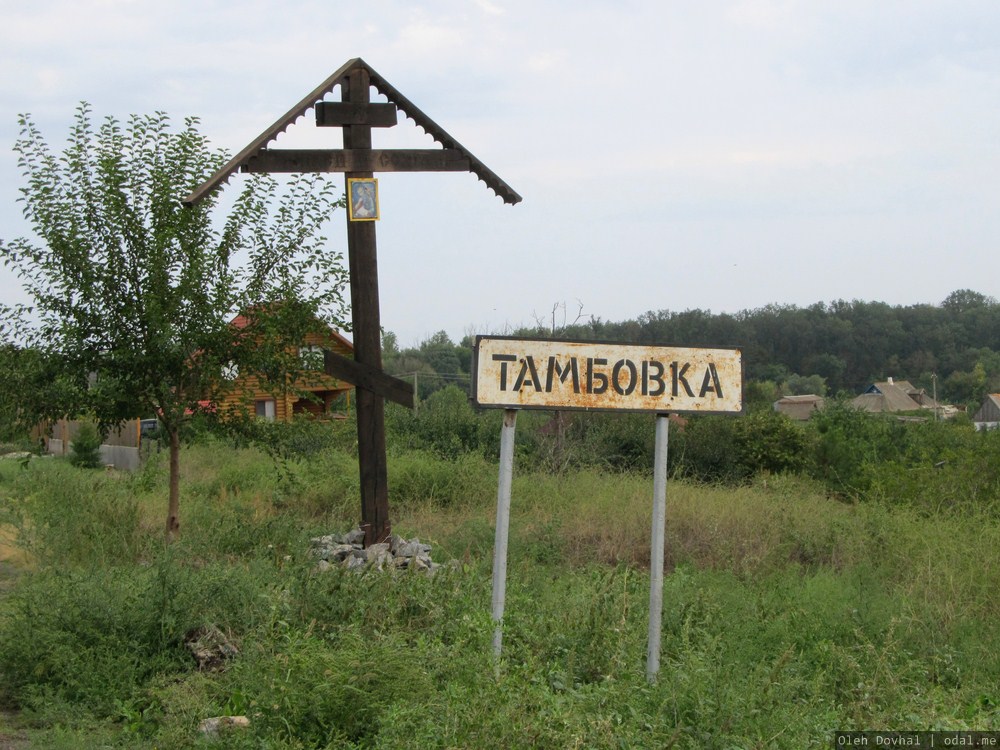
[[132, 292]]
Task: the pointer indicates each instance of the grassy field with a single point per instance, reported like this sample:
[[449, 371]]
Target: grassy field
[[787, 615]]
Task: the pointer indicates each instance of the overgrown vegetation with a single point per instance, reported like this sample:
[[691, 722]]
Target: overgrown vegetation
[[837, 576]]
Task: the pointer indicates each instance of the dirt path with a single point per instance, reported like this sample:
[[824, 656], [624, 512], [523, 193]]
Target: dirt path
[[10, 737]]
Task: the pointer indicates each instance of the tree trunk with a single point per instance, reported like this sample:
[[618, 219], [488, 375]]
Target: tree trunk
[[173, 506]]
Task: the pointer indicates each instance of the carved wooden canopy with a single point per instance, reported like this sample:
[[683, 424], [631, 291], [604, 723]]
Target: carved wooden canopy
[[257, 157]]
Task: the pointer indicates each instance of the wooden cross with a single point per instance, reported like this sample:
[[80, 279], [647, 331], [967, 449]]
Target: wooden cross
[[357, 115]]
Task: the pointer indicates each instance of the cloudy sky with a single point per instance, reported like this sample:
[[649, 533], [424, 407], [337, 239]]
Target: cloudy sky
[[720, 154]]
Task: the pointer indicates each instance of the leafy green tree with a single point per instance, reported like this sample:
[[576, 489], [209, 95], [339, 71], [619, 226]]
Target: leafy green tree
[[769, 441], [410, 366], [761, 394], [25, 383], [829, 367], [805, 385], [706, 450], [967, 388], [850, 445], [719, 448], [390, 347], [439, 352], [964, 300], [435, 364], [132, 292]]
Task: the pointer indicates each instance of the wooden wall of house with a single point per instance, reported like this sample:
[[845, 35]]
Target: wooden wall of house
[[247, 390]]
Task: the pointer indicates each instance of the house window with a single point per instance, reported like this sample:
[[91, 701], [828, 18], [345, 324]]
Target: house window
[[230, 371], [311, 357], [265, 409]]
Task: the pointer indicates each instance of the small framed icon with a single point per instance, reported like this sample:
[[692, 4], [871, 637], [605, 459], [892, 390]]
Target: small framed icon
[[362, 203]]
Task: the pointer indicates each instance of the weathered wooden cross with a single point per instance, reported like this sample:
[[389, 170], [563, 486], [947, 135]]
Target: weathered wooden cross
[[357, 115]]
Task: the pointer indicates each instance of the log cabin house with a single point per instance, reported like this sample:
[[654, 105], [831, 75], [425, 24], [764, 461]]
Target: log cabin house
[[329, 397]]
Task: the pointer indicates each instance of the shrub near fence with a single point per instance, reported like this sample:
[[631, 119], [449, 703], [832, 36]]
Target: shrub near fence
[[118, 448]]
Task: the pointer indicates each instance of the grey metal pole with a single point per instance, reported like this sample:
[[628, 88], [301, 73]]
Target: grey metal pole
[[503, 525], [657, 545]]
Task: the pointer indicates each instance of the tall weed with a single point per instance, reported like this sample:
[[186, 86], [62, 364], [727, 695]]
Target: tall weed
[[67, 516], [418, 477], [89, 639]]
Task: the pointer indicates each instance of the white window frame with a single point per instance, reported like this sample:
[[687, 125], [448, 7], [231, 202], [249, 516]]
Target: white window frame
[[265, 409]]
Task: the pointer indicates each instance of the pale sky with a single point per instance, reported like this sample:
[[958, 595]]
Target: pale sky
[[718, 154]]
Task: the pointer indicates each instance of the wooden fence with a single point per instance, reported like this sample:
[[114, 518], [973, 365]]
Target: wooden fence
[[120, 448]]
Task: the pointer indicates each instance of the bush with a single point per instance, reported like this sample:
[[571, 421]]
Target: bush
[[96, 637], [618, 441], [418, 477], [734, 449], [944, 468], [90, 639], [445, 423], [771, 442], [85, 450], [302, 438]]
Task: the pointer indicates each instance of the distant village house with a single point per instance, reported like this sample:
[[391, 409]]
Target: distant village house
[[988, 416], [800, 408], [894, 396], [319, 394]]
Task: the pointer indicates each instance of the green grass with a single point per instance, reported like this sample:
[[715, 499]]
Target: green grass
[[787, 615]]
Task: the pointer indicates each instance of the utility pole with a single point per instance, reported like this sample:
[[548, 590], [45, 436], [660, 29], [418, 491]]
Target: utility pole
[[934, 385]]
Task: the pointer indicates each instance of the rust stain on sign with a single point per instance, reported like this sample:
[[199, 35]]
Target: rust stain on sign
[[521, 373]]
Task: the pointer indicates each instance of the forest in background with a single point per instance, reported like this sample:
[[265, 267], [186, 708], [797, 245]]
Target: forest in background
[[836, 348]]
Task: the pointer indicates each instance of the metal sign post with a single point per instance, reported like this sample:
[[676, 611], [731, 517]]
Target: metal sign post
[[657, 546], [502, 526], [516, 373]]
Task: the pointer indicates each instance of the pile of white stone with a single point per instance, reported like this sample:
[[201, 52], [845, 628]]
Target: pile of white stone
[[17, 456], [213, 650], [348, 551]]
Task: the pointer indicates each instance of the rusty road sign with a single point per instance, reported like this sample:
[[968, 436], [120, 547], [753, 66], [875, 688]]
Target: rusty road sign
[[525, 373], [531, 373]]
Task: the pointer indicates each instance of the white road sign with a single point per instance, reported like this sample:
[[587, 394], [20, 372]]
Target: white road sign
[[518, 373]]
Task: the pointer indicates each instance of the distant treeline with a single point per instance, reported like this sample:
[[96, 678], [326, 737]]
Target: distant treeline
[[831, 348]]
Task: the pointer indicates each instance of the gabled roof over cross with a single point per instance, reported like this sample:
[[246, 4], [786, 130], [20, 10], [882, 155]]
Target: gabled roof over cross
[[256, 157]]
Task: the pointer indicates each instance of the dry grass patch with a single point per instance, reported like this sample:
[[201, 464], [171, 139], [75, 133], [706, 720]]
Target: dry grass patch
[[589, 516], [607, 518], [10, 553]]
